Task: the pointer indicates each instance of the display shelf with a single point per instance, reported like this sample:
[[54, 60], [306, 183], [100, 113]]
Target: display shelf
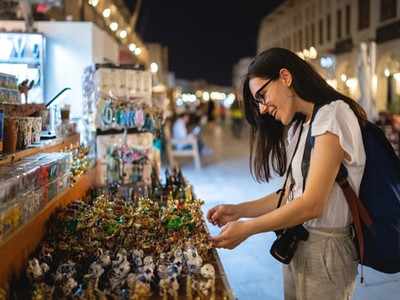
[[223, 288], [55, 145], [16, 249]]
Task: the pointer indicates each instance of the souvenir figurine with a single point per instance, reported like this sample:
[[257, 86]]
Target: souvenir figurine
[[178, 264], [148, 272], [208, 273], [193, 260], [65, 271], [119, 273], [36, 271], [137, 257], [120, 257], [69, 286], [148, 261], [96, 270], [104, 258]]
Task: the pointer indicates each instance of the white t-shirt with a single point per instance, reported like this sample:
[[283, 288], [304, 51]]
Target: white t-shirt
[[337, 118], [179, 130]]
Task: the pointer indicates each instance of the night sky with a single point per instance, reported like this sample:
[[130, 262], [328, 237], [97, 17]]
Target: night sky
[[205, 38]]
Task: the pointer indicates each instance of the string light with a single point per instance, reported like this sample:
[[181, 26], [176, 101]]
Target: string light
[[132, 47], [93, 2], [138, 51], [154, 67], [106, 13], [114, 26], [123, 34]]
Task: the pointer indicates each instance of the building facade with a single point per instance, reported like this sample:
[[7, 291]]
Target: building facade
[[239, 71], [329, 34]]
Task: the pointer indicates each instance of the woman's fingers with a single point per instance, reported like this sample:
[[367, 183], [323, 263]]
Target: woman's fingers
[[215, 215], [210, 214]]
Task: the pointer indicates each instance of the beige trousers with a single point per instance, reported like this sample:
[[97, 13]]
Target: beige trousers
[[323, 268]]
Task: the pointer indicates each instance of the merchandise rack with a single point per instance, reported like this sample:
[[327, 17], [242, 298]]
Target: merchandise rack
[[16, 248], [55, 145]]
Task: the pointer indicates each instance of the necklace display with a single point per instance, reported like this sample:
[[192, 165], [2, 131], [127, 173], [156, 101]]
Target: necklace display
[[125, 165], [110, 247], [121, 114]]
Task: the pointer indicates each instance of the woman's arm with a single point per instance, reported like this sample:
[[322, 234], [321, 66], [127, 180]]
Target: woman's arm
[[224, 213], [326, 158], [256, 208]]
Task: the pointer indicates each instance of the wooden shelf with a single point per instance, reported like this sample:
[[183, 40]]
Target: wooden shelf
[[222, 285], [50, 146], [15, 250]]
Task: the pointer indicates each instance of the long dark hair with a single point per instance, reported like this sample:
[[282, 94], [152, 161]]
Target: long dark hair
[[267, 136]]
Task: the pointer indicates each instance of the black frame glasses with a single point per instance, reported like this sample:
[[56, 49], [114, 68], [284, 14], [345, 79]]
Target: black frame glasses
[[258, 99]]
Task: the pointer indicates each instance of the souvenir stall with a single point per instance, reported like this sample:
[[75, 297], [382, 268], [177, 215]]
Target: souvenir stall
[[116, 231]]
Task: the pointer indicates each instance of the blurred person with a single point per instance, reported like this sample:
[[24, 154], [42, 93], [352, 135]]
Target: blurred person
[[282, 96], [180, 131], [222, 114], [201, 113], [211, 111], [236, 119]]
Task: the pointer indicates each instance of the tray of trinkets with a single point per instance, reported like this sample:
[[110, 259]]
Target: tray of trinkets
[[153, 245]]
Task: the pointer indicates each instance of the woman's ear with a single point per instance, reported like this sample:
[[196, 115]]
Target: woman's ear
[[286, 77]]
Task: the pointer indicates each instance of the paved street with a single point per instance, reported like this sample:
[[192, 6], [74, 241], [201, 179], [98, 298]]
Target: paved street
[[252, 272]]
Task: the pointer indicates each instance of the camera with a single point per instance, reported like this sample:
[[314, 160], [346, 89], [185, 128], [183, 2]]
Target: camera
[[286, 243]]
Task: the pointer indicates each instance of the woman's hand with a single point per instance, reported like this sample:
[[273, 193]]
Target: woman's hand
[[231, 235], [222, 214]]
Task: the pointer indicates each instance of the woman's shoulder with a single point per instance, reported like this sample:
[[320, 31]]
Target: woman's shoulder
[[335, 111], [335, 106], [338, 118]]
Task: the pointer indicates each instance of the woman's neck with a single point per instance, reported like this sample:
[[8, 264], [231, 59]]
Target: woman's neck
[[305, 107]]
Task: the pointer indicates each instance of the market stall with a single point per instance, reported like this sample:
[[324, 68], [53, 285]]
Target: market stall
[[78, 226]]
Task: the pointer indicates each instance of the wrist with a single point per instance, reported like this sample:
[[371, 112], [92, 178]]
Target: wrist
[[252, 226], [237, 210]]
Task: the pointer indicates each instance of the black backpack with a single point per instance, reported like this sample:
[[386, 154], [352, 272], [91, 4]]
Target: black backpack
[[376, 212]]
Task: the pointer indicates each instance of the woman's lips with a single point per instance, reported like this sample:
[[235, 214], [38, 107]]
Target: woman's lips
[[271, 110], [274, 113]]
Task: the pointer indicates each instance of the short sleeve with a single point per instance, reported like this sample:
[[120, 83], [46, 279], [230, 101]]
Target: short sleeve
[[338, 118]]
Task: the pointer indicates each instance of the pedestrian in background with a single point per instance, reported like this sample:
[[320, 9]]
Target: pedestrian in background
[[236, 119]]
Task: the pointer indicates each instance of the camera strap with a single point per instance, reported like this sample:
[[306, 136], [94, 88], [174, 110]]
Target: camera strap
[[289, 170]]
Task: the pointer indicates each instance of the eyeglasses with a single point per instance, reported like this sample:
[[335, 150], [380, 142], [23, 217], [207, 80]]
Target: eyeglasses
[[259, 99]]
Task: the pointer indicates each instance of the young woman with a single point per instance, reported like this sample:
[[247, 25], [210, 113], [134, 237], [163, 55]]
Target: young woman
[[280, 94]]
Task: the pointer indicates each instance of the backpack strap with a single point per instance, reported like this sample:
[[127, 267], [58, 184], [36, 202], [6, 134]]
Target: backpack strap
[[289, 170], [308, 147], [358, 211]]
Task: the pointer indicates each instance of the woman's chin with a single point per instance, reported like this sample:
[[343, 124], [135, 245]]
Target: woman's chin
[[282, 120]]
